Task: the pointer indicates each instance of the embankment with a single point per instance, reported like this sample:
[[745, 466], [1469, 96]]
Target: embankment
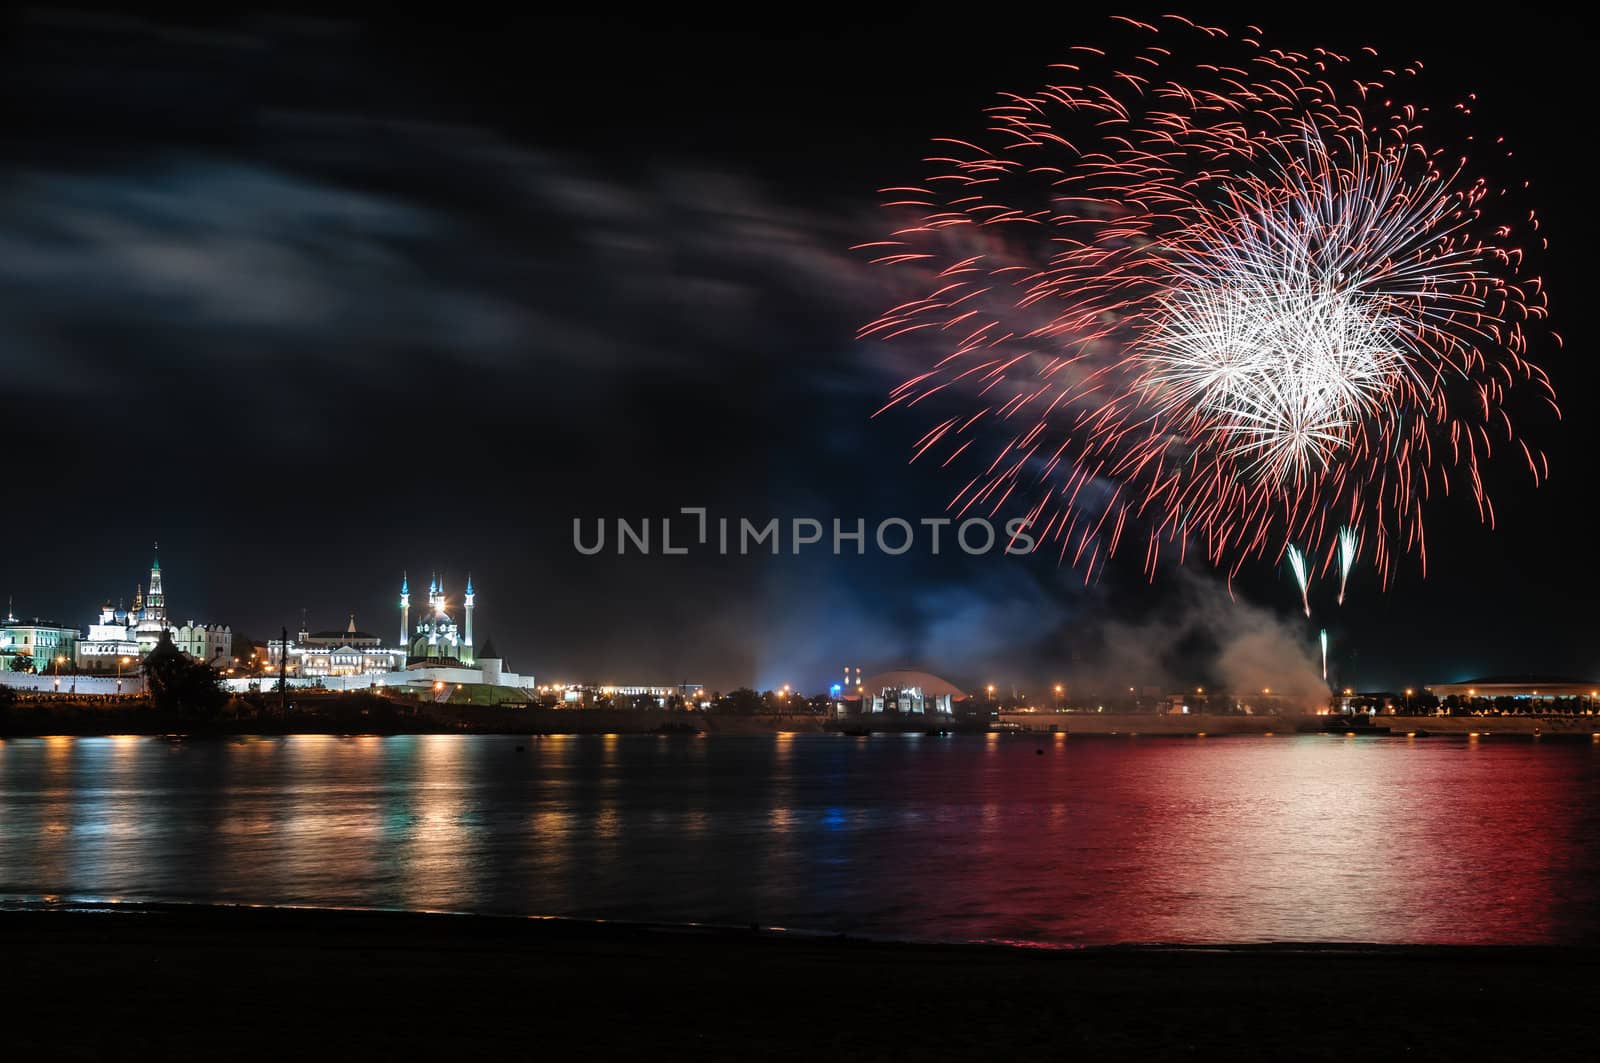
[[1109, 723], [1490, 726]]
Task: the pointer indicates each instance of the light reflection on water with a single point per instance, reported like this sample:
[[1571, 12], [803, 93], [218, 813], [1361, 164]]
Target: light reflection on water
[[1247, 839]]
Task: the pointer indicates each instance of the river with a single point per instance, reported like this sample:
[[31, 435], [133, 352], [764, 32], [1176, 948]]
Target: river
[[1000, 838]]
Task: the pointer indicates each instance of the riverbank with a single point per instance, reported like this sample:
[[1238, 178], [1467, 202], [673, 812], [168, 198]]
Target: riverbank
[[1223, 724], [204, 983], [375, 714]]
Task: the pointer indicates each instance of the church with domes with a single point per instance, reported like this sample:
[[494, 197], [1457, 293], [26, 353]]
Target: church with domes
[[121, 636]]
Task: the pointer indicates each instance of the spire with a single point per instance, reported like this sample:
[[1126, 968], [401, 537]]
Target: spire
[[466, 653], [155, 551], [156, 601], [405, 610], [10, 616], [351, 629]]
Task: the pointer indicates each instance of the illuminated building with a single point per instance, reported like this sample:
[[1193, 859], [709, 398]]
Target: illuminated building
[[437, 637], [109, 639], [133, 633], [336, 653], [436, 656], [663, 694], [41, 640], [906, 693], [1526, 689]]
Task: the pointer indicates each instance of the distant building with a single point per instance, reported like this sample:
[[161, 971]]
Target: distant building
[[900, 692], [336, 653], [212, 643], [120, 637], [437, 637], [40, 640], [110, 640], [663, 694], [438, 681], [437, 656], [1522, 688]]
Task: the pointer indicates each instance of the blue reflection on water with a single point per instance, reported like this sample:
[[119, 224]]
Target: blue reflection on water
[[1247, 839]]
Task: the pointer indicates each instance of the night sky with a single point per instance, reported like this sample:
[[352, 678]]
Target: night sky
[[313, 301]]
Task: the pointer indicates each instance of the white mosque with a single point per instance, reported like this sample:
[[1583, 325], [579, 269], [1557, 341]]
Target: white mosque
[[437, 638], [436, 655]]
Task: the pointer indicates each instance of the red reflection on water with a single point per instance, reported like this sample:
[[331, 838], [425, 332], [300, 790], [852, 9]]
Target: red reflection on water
[[1062, 840], [1306, 839]]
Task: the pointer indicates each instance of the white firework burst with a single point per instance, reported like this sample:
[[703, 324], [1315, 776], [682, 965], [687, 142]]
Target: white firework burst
[[1294, 311]]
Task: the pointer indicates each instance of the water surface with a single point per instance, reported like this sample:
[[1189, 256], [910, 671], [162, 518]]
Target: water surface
[[1309, 838]]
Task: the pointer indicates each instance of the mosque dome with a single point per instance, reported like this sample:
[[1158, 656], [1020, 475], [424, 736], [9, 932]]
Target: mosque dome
[[930, 685]]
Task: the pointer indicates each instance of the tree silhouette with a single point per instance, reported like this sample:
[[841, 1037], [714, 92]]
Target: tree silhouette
[[743, 702], [22, 662], [180, 684]]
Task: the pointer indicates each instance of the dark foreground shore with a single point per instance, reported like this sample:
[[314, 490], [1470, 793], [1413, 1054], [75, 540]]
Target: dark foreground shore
[[203, 983]]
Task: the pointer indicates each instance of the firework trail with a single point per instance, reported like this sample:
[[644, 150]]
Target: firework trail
[[1324, 640], [1349, 543], [1209, 292], [1302, 576]]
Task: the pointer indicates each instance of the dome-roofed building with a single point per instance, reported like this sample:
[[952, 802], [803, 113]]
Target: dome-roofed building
[[904, 691], [118, 637], [930, 684], [437, 636], [434, 659]]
